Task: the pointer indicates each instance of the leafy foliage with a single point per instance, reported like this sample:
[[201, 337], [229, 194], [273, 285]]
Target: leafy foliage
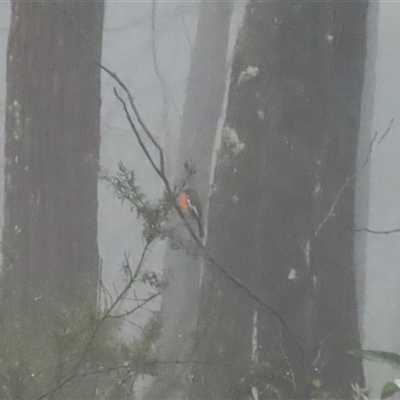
[[80, 356], [384, 356], [153, 216], [389, 390], [393, 359]]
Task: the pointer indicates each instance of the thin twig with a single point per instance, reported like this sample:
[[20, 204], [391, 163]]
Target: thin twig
[[349, 179], [138, 137], [368, 230], [387, 131], [136, 112], [133, 310], [99, 285], [293, 381], [377, 232]]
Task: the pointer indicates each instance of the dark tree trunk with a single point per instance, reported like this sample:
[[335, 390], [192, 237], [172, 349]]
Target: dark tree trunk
[[289, 145], [202, 109], [51, 154]]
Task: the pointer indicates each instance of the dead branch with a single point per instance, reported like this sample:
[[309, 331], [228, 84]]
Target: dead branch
[[368, 230], [349, 179], [387, 131], [139, 306]]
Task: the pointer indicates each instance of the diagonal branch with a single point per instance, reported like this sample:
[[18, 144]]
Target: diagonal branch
[[137, 115], [130, 312], [161, 173], [387, 131], [349, 179], [138, 137]]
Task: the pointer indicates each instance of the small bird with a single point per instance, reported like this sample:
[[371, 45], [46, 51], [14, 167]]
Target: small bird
[[190, 204]]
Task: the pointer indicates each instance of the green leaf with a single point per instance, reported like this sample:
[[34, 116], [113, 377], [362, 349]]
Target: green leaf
[[389, 390], [384, 356], [317, 383]]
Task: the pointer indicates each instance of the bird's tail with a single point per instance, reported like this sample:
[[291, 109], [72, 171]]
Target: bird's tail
[[201, 230]]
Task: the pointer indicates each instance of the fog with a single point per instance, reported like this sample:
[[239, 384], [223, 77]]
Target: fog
[[149, 46]]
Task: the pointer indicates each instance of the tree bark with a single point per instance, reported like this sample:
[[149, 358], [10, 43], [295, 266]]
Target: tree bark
[[277, 211], [51, 154]]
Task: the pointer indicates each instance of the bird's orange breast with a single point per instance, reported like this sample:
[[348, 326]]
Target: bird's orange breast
[[183, 203]]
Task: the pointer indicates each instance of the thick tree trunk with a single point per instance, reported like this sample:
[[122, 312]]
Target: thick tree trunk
[[51, 154], [202, 109], [277, 212]]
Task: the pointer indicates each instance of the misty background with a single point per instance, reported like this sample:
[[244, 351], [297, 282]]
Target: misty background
[[149, 45]]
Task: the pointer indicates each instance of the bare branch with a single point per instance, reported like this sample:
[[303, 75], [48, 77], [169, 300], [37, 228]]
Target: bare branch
[[331, 212], [137, 134], [133, 310], [136, 112], [333, 207], [387, 131], [292, 376], [368, 230], [377, 232], [186, 32]]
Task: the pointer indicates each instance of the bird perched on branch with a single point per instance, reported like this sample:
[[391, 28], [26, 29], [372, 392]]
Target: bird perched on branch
[[190, 205]]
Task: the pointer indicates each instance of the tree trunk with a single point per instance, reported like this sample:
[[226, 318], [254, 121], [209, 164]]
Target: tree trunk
[[279, 206], [203, 105], [51, 154]]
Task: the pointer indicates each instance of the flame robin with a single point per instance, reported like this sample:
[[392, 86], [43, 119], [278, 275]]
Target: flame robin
[[190, 204]]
